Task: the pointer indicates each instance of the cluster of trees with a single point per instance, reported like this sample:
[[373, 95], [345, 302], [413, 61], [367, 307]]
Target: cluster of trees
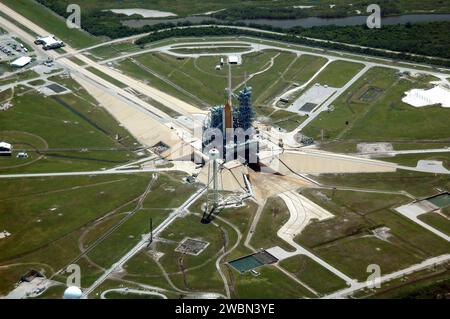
[[319, 10], [430, 39]]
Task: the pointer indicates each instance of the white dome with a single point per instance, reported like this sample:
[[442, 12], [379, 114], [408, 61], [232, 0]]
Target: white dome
[[73, 292]]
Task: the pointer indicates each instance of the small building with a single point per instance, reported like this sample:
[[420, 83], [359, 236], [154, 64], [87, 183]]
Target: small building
[[5, 149], [233, 59], [49, 42], [221, 61], [21, 62], [218, 68], [22, 155]]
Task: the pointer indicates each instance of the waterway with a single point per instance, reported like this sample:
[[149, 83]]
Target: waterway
[[303, 22]]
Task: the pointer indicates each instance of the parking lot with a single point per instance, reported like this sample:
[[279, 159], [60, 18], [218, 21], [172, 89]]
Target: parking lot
[[11, 49]]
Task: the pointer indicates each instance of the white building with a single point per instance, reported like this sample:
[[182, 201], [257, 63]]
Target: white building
[[21, 62], [5, 149], [49, 42], [233, 59]]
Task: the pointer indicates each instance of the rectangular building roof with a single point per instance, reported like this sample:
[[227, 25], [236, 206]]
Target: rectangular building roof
[[5, 145], [22, 61], [233, 59], [49, 40]]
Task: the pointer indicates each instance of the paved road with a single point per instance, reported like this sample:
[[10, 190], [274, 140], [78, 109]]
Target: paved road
[[145, 240], [394, 153], [133, 291], [88, 173]]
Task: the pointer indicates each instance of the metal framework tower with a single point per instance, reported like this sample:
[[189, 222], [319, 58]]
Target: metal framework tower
[[213, 200]]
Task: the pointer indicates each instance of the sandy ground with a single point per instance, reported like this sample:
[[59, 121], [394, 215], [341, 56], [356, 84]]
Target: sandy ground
[[319, 162], [266, 185], [231, 176], [145, 129]]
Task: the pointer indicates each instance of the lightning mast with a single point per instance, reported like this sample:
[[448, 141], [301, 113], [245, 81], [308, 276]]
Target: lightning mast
[[228, 110], [212, 198]]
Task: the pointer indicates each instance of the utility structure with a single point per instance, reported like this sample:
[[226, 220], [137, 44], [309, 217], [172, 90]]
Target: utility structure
[[212, 200], [228, 111]]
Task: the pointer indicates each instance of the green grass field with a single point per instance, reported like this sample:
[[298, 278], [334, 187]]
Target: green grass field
[[304, 68], [69, 121], [19, 76], [385, 117], [193, 75], [274, 215], [347, 242], [437, 221], [46, 219], [338, 73], [417, 184], [287, 120], [313, 274], [412, 159]]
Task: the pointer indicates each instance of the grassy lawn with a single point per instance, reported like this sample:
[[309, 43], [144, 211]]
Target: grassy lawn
[[46, 215], [69, 121], [313, 274], [417, 184], [287, 120], [126, 237], [359, 115], [195, 75], [19, 76], [268, 85], [274, 215], [144, 269], [271, 283], [113, 50], [338, 73], [430, 287], [412, 159], [51, 22], [134, 70], [354, 255], [173, 192], [347, 242], [199, 271], [437, 221], [49, 215], [350, 210], [106, 77], [304, 68]]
